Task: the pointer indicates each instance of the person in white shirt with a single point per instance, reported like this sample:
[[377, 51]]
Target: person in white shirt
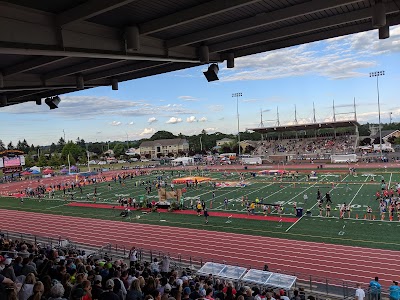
[[360, 294], [132, 257]]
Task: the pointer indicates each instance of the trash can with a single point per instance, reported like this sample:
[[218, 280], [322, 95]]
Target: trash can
[[245, 167], [308, 213], [299, 212]]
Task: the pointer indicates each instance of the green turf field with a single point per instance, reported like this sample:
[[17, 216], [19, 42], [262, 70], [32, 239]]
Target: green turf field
[[358, 191]]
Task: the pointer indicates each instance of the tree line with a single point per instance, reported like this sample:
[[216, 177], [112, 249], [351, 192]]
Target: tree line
[[57, 154]]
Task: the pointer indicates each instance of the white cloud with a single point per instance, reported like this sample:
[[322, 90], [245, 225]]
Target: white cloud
[[188, 98], [104, 106], [131, 123], [339, 58], [115, 123], [191, 119], [216, 108], [210, 129], [174, 120], [152, 120], [203, 119], [147, 131]]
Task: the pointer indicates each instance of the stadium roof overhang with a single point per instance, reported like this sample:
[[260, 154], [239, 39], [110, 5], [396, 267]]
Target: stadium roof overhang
[[52, 47], [311, 126]]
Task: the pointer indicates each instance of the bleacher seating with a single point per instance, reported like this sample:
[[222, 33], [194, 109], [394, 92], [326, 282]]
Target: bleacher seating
[[33, 271], [303, 148]]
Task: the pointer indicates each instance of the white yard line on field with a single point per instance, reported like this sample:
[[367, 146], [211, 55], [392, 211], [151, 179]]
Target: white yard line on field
[[291, 226]]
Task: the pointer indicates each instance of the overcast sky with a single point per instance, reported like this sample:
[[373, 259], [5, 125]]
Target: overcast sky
[[184, 102]]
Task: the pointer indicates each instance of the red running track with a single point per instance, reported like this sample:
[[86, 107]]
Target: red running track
[[356, 264]]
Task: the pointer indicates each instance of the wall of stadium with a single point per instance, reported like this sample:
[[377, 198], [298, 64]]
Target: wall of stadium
[[343, 158]]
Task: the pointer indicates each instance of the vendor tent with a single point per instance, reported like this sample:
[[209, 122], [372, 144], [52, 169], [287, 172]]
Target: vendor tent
[[48, 171], [64, 170], [269, 279], [26, 173], [184, 161], [222, 271], [35, 172]]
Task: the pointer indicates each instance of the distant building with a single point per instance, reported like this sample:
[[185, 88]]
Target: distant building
[[224, 141], [163, 147]]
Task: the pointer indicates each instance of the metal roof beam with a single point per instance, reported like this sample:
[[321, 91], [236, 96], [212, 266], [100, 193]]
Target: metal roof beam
[[31, 64], [258, 20], [87, 54], [80, 68], [159, 70], [304, 28], [313, 37], [192, 14], [133, 68], [88, 10]]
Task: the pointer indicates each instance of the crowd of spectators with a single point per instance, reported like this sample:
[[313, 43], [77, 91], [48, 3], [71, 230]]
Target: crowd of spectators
[[304, 146], [31, 272]]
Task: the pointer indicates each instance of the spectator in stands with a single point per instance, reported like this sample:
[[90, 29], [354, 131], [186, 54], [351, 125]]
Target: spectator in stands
[[96, 288], [134, 292], [27, 287], [132, 257], [67, 285], [38, 290], [296, 295], [87, 288], [196, 293], [360, 294], [8, 270], [248, 293], [17, 266], [283, 295], [375, 289], [109, 293], [394, 291], [24, 253], [57, 292]]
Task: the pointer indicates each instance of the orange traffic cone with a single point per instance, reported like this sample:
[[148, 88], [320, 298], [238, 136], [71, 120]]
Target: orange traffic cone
[[373, 217], [356, 216]]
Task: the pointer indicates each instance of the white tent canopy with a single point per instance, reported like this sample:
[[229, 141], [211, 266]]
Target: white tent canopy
[[252, 276]]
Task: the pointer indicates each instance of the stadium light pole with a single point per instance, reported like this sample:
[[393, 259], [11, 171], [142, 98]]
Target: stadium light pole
[[237, 95], [377, 74]]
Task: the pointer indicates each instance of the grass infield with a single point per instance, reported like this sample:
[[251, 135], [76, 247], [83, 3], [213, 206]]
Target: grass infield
[[358, 191]]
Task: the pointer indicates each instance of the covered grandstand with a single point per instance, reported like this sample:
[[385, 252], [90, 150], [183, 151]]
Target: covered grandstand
[[312, 141]]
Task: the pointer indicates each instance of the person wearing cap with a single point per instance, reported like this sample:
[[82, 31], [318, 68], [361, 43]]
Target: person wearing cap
[[96, 288], [283, 296], [186, 293], [196, 293], [7, 268], [394, 291], [109, 293]]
